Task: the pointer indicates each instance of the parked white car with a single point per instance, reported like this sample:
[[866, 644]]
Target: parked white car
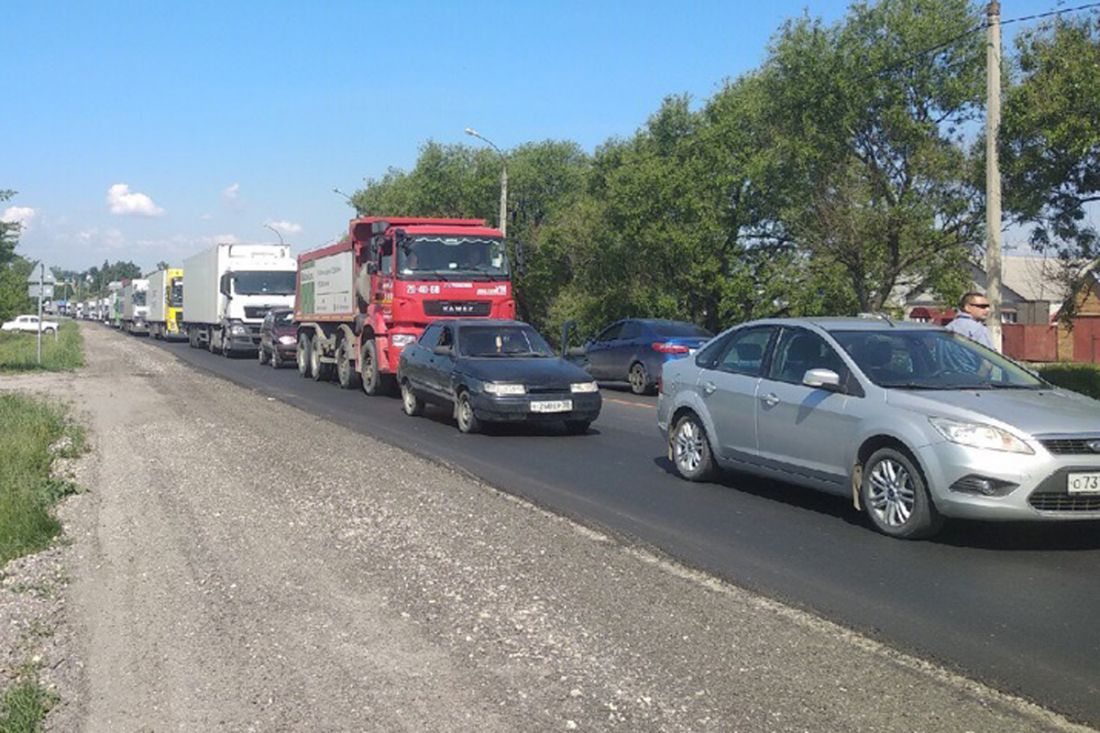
[[29, 324]]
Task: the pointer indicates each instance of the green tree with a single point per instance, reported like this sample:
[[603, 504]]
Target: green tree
[[1050, 135], [866, 131], [9, 233]]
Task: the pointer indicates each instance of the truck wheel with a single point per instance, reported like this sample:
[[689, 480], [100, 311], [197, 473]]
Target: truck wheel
[[346, 375], [261, 355], [227, 344], [368, 365], [305, 354], [320, 371], [210, 342]]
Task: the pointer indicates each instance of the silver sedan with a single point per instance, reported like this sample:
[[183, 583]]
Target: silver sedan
[[912, 422]]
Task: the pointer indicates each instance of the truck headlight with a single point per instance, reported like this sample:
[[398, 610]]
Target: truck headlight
[[505, 389], [401, 340], [238, 329], [979, 435], [584, 387]]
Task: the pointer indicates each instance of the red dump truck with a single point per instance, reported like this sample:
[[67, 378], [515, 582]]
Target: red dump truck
[[362, 300]]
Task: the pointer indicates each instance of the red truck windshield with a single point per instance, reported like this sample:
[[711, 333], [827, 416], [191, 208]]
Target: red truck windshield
[[436, 256]]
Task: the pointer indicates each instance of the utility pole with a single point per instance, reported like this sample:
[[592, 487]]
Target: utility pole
[[992, 169], [41, 288]]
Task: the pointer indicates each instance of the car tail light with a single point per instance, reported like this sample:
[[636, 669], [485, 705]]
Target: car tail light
[[669, 348]]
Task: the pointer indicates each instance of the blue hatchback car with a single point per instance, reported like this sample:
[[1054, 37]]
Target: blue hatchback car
[[634, 350]]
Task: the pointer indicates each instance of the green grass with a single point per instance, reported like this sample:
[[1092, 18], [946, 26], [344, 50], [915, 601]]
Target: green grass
[[28, 427], [1083, 378], [24, 708], [18, 351]]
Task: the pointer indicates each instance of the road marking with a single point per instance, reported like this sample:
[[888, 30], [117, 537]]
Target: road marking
[[632, 404]]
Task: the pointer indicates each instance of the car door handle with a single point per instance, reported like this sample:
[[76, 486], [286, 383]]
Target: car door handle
[[771, 399], [709, 387]]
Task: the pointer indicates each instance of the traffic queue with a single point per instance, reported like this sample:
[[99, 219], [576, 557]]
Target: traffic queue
[[911, 423]]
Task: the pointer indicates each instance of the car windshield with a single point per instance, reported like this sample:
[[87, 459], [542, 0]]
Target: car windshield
[[175, 294], [285, 318], [139, 298], [440, 257], [676, 329], [932, 359], [259, 282], [501, 341]]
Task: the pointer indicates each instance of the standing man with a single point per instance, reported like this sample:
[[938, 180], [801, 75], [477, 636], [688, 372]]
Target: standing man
[[973, 313]]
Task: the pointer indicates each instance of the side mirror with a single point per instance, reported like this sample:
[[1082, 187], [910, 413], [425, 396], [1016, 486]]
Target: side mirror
[[576, 351], [566, 328], [521, 259], [443, 350], [372, 267], [822, 379]]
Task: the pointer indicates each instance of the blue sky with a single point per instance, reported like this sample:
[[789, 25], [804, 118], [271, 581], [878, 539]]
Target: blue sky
[[147, 131]]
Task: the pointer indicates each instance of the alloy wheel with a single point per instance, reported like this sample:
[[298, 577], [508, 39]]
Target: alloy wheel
[[892, 494], [688, 447]]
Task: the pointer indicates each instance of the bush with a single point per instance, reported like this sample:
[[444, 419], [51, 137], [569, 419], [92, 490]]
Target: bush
[[19, 351], [1083, 378], [32, 434]]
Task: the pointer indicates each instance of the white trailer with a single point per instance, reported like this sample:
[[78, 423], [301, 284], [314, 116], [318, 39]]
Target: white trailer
[[229, 288], [135, 307]]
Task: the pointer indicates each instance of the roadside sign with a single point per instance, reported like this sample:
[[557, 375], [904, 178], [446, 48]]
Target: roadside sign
[[33, 288]]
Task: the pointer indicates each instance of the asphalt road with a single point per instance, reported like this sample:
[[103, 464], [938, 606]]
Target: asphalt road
[[1015, 606]]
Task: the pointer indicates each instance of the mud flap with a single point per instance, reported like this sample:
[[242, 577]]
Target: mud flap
[[857, 481]]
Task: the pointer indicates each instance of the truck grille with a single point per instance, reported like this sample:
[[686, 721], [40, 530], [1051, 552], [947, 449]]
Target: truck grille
[[256, 311], [1075, 446], [457, 307], [1053, 501]]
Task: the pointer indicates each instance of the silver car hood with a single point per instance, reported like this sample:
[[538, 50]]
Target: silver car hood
[[1031, 411]]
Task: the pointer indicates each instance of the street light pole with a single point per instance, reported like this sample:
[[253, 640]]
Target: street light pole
[[992, 170], [503, 179], [277, 233]]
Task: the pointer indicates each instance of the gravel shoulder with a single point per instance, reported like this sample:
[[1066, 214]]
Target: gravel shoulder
[[238, 564]]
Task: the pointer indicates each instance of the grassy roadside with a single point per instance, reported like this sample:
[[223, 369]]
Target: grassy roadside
[[33, 434], [1083, 378], [18, 351]]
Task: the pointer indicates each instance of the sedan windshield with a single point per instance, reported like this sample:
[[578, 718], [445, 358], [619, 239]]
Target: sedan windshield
[[440, 256], [259, 282], [501, 341], [932, 359]]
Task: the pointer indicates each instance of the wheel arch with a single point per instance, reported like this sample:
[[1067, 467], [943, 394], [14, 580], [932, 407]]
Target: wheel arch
[[868, 448]]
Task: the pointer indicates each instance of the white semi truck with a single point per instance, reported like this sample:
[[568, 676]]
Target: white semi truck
[[135, 307], [229, 288]]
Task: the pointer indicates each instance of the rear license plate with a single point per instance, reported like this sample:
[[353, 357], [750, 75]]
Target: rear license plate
[[1083, 483], [552, 406]]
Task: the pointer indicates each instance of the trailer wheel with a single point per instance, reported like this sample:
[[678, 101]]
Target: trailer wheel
[[261, 355], [210, 341], [305, 354], [346, 376], [319, 370]]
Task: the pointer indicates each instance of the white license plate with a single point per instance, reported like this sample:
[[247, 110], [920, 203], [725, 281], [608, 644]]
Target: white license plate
[[1083, 483], [551, 406]]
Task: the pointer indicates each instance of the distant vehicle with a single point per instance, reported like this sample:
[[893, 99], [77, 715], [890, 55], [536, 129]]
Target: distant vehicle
[[278, 338], [229, 288], [495, 371], [634, 350], [912, 422], [166, 304], [364, 299], [135, 307], [29, 324]]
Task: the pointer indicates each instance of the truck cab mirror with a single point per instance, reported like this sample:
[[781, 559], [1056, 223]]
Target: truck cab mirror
[[372, 267], [224, 284], [521, 258]]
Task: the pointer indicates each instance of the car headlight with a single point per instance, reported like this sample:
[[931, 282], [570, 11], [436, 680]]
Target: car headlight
[[287, 340], [505, 389], [584, 387], [979, 435], [238, 330], [401, 340]]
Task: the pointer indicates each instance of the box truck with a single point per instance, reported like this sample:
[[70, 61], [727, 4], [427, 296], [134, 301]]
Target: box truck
[[229, 288], [166, 303], [135, 306]]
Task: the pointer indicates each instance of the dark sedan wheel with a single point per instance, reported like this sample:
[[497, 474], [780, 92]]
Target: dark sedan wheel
[[410, 403], [639, 379], [690, 449], [895, 497], [277, 360], [464, 414]]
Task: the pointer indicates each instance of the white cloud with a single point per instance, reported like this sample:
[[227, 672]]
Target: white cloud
[[232, 193], [111, 239], [21, 215], [121, 200], [285, 227]]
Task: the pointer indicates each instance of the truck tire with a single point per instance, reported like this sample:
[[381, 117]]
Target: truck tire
[[346, 375], [370, 376], [210, 341], [276, 358], [320, 371], [261, 355], [305, 354]]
